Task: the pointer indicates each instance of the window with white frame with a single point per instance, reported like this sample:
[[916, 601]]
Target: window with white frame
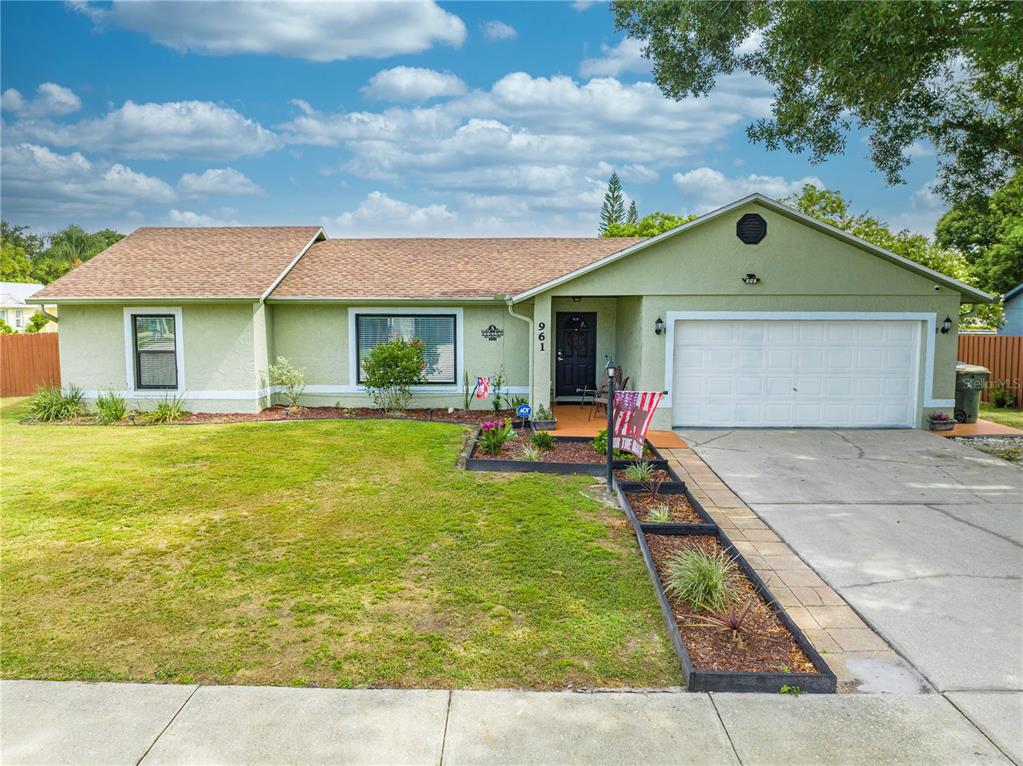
[[19, 318], [436, 331], [154, 343]]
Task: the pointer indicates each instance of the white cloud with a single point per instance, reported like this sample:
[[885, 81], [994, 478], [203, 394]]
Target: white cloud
[[627, 56], [380, 215], [159, 131], [582, 5], [189, 218], [51, 100], [498, 30], [548, 141], [40, 182], [226, 182], [406, 83], [706, 189], [317, 31], [925, 208]]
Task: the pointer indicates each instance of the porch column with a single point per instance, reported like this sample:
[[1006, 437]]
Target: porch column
[[542, 344]]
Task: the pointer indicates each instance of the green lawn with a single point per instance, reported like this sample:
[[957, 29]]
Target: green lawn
[[1007, 417], [318, 552]]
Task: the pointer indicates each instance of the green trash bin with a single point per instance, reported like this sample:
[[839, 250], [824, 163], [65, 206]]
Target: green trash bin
[[971, 379]]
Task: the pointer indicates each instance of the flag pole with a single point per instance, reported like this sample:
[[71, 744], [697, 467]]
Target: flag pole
[[610, 422]]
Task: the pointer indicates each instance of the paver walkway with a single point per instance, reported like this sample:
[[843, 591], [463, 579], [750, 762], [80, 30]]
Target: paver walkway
[[59, 723], [857, 655]]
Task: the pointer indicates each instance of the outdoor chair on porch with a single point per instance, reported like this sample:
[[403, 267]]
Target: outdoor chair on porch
[[598, 396]]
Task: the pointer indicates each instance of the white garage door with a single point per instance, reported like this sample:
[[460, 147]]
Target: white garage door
[[795, 373]]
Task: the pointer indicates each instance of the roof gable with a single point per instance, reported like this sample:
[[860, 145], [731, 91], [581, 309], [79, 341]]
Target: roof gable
[[778, 207]]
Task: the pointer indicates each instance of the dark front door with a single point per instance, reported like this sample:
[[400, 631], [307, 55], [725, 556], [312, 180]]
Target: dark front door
[[575, 348]]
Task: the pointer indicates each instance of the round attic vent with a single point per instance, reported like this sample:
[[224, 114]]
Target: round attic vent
[[751, 228]]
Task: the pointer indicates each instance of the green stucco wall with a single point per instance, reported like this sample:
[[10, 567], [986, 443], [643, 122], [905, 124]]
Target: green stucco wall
[[315, 336], [219, 343]]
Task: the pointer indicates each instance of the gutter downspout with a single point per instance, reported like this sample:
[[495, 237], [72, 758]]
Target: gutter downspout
[[48, 315], [529, 321]]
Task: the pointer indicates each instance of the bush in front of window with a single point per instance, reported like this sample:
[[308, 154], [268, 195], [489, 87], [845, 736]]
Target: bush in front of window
[[110, 408], [5, 329], [391, 369], [290, 379], [50, 403], [170, 410]]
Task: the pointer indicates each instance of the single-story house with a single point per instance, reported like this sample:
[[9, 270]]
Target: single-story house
[[752, 315], [1013, 303], [16, 312]]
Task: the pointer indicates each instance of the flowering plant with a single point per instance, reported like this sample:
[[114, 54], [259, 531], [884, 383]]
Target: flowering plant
[[940, 417], [493, 435]]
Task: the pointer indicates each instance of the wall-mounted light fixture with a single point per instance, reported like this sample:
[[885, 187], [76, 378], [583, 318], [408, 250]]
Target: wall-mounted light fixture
[[946, 326], [751, 279], [658, 326]]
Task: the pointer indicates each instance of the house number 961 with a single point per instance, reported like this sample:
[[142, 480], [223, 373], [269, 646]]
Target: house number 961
[[540, 336]]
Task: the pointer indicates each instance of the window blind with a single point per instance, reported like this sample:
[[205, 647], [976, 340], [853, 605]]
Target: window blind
[[156, 363], [436, 331]]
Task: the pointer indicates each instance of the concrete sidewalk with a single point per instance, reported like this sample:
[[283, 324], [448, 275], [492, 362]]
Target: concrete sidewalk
[[45, 722]]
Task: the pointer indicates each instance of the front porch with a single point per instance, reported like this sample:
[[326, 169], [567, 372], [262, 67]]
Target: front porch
[[574, 420]]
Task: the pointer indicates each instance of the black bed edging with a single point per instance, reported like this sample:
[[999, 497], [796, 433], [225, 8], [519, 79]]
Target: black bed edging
[[473, 463], [822, 682], [707, 527]]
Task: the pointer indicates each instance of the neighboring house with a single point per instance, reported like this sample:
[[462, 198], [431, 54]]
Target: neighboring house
[[752, 315], [1013, 302], [16, 312]]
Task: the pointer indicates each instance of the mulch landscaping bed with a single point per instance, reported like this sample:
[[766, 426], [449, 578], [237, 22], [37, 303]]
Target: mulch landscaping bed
[[682, 511], [563, 452], [658, 473], [440, 414], [771, 648]]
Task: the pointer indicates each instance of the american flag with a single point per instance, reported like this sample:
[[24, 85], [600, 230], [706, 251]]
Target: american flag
[[483, 387], [633, 411]]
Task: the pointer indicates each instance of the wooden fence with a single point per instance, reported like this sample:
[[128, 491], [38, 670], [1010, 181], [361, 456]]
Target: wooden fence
[[27, 361], [1002, 354]]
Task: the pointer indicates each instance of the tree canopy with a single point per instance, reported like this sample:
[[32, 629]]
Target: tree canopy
[[27, 257], [647, 226], [950, 73], [989, 232]]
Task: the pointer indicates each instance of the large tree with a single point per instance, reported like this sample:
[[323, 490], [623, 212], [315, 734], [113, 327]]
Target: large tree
[[950, 73], [990, 232], [648, 226], [70, 248]]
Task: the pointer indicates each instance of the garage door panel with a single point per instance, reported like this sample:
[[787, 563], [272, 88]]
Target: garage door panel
[[796, 373]]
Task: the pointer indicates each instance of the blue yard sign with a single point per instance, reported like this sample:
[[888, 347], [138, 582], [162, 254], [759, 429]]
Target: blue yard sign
[[524, 411]]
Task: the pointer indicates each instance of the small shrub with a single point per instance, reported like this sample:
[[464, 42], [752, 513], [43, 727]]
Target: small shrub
[[37, 322], [167, 411], [291, 379], [646, 474], [494, 434], [701, 579], [532, 453], [517, 402], [730, 618], [496, 384], [543, 440], [600, 447], [391, 369], [1001, 396], [467, 387], [110, 408], [543, 413], [5, 329], [659, 514], [51, 403]]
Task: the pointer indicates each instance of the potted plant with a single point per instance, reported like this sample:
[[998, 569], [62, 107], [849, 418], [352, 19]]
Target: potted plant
[[941, 421], [543, 419]]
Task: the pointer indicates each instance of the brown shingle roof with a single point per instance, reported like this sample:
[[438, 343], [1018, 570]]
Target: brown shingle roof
[[227, 262], [439, 268]]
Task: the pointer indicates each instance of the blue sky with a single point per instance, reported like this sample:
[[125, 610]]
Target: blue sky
[[473, 119]]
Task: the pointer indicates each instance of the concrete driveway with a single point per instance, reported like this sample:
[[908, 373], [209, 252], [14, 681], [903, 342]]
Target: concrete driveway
[[920, 535]]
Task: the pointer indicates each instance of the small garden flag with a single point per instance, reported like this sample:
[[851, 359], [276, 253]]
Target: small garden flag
[[633, 412], [482, 387]]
